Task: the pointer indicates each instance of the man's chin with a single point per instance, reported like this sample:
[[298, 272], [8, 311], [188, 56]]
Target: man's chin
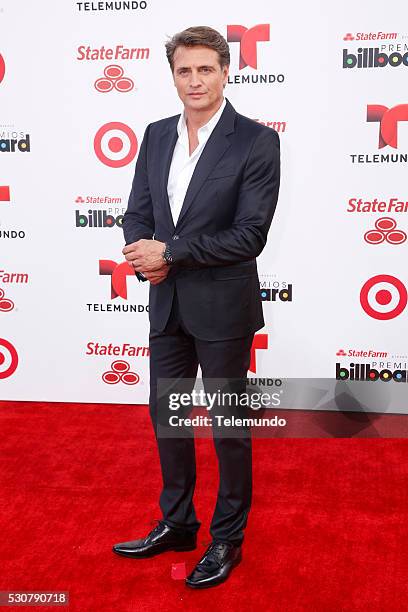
[[198, 103]]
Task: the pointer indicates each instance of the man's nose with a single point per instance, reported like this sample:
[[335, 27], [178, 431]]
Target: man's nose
[[195, 79]]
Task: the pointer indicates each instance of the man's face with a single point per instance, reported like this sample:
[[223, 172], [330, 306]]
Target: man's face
[[199, 78]]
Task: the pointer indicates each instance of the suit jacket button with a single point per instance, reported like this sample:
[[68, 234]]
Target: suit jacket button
[[175, 237]]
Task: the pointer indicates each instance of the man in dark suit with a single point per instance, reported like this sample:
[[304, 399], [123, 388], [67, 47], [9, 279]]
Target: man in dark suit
[[202, 201]]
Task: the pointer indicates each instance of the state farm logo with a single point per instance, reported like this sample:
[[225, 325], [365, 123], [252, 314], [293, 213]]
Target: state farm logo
[[118, 274], [371, 36], [248, 53], [116, 350], [383, 297], [4, 193], [260, 342], [362, 353], [8, 358], [388, 120], [5, 304], [120, 372], [2, 68], [113, 79], [278, 126], [118, 53], [377, 205], [115, 144], [385, 231], [248, 39], [92, 199]]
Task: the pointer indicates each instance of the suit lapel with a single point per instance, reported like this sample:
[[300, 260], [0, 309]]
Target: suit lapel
[[217, 144], [167, 143]]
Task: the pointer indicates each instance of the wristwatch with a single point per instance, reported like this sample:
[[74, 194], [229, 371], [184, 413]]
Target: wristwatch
[[167, 256]]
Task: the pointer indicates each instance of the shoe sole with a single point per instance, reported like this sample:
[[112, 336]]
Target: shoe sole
[[213, 584], [131, 555]]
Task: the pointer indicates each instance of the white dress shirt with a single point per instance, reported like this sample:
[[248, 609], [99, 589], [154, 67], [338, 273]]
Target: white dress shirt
[[183, 164]]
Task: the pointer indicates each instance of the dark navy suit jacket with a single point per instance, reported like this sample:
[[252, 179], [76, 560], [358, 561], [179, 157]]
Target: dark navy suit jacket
[[221, 229]]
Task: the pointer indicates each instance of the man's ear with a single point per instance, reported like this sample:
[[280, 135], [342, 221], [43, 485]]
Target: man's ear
[[225, 72]]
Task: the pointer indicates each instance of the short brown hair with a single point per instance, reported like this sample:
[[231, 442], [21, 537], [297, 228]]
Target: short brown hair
[[195, 36]]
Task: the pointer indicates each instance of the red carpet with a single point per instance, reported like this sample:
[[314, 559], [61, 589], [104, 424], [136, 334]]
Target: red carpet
[[328, 529]]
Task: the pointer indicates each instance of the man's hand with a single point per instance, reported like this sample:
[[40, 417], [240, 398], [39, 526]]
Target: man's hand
[[146, 256], [157, 276]]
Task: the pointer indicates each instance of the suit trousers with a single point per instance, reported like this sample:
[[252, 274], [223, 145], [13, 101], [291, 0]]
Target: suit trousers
[[176, 354]]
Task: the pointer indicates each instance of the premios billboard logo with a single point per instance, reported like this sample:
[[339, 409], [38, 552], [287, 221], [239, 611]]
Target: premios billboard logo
[[392, 54], [12, 141], [107, 214]]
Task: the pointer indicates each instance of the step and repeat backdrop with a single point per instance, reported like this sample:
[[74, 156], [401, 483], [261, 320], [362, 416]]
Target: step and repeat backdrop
[[79, 83]]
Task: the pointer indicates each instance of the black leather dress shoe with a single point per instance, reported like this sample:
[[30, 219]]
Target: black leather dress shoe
[[161, 539], [215, 566]]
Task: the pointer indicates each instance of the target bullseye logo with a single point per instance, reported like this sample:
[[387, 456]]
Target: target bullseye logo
[[115, 144], [120, 373], [2, 68], [383, 297], [8, 358]]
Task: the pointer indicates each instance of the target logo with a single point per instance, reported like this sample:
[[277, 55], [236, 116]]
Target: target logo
[[8, 358], [2, 68], [114, 79], [385, 231], [120, 373], [115, 144], [383, 297]]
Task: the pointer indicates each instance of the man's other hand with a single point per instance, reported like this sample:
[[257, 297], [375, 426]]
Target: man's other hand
[[157, 276], [146, 256]]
